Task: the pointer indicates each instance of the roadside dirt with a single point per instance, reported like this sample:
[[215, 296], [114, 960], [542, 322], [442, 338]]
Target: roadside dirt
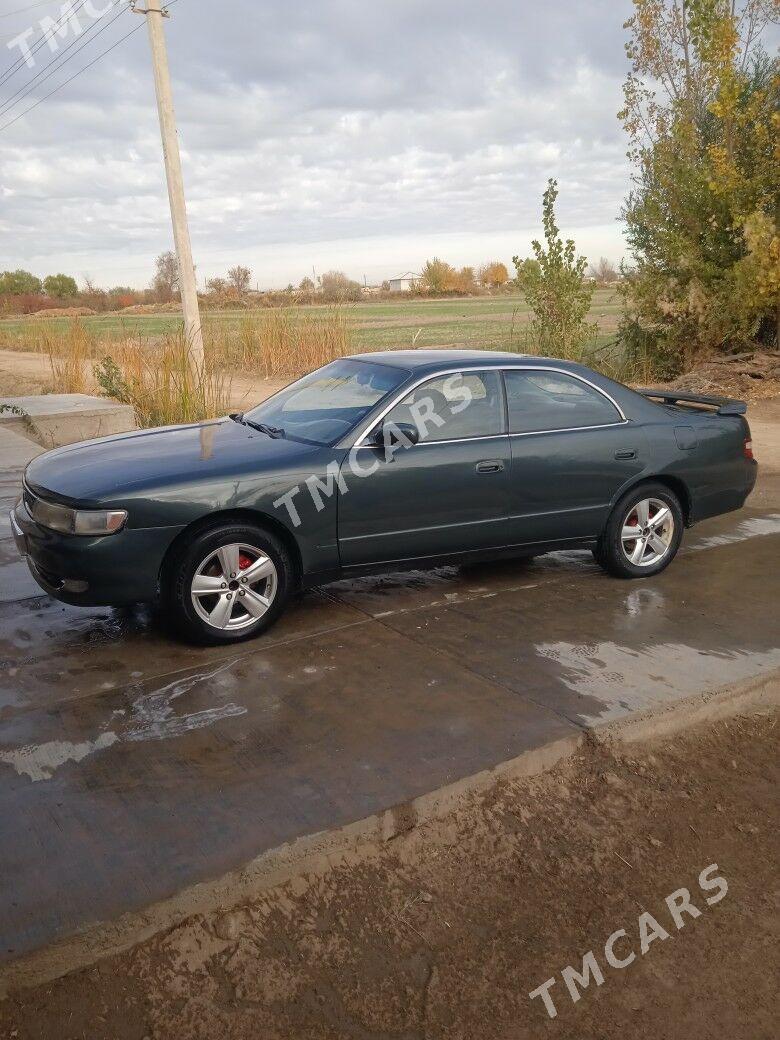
[[23, 373], [444, 931]]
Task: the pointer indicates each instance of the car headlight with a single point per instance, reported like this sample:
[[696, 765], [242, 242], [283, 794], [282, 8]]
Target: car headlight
[[88, 522]]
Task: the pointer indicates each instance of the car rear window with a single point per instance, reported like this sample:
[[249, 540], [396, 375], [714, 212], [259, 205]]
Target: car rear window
[[540, 400]]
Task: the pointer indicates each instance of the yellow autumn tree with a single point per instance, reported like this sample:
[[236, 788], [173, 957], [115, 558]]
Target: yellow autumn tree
[[703, 218], [493, 275]]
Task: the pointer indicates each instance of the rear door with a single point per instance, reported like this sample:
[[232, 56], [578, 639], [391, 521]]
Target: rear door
[[449, 493], [572, 452]]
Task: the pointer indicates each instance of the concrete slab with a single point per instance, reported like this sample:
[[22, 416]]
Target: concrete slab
[[596, 650], [118, 800], [66, 418], [132, 767]]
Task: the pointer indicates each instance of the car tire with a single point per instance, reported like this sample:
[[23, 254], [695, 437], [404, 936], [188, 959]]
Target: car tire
[[207, 597], [643, 533]]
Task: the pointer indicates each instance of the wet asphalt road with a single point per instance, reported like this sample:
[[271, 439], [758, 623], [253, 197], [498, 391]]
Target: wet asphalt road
[[132, 766]]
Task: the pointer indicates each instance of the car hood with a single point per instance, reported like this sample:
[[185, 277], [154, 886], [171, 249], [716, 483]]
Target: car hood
[[106, 468]]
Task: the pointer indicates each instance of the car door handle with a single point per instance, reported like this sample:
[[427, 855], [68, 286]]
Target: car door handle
[[625, 453], [490, 466]]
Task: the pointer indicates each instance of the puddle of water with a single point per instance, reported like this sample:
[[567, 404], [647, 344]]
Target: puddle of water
[[752, 527], [631, 678], [150, 717], [41, 761]]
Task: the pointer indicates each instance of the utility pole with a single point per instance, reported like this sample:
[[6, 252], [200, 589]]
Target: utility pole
[[170, 142]]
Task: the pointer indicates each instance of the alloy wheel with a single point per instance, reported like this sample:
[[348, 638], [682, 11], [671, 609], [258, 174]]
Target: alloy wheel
[[647, 532], [234, 586]]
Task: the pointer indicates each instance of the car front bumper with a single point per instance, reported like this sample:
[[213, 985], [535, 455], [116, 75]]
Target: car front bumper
[[112, 570]]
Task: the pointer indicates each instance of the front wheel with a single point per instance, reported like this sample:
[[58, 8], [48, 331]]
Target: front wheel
[[228, 583], [643, 533]]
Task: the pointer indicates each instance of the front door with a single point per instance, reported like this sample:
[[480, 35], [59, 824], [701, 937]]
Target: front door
[[447, 494], [572, 452]]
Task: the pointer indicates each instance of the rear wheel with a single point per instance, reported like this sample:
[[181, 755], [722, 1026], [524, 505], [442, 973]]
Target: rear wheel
[[228, 583], [643, 533]]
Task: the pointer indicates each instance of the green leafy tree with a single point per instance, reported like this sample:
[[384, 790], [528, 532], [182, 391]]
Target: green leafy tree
[[60, 286], [19, 283], [553, 281], [702, 221]]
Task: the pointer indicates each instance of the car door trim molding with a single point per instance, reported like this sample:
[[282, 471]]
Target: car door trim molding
[[403, 393], [570, 429]]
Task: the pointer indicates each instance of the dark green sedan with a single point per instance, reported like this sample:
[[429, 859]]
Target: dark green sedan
[[379, 461]]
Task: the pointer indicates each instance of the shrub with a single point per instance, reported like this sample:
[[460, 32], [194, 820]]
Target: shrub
[[555, 288]]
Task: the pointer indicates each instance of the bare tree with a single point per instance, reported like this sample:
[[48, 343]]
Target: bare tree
[[239, 278], [338, 288], [166, 278], [604, 271]]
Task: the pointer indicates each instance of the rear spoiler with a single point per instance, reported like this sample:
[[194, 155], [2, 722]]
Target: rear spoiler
[[723, 405]]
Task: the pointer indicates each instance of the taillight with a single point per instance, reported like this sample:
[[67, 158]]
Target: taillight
[[747, 448]]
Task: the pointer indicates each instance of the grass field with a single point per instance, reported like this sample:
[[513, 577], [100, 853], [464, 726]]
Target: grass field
[[483, 323]]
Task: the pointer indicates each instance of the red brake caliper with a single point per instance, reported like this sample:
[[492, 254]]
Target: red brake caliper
[[244, 561]]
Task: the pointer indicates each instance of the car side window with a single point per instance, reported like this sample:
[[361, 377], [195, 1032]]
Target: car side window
[[459, 405], [539, 400]]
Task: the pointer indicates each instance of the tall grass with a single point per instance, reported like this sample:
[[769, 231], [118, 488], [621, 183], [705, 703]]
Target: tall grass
[[167, 385], [281, 342], [68, 355]]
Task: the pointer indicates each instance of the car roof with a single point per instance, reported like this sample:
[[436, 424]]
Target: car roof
[[424, 360]]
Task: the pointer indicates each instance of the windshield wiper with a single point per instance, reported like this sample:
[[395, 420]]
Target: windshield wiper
[[272, 431], [269, 431]]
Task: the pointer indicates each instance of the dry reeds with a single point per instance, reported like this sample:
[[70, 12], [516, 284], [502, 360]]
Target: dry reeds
[[69, 353], [166, 385], [282, 342]]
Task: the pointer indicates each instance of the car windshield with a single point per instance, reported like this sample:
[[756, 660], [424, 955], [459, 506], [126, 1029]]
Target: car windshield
[[325, 405]]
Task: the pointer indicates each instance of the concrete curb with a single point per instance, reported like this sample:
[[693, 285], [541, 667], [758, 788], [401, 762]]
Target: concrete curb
[[61, 419], [314, 854]]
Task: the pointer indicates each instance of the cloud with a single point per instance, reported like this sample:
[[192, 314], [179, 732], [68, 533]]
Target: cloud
[[375, 130]]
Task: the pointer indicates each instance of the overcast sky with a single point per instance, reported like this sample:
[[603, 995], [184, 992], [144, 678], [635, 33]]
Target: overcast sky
[[364, 136]]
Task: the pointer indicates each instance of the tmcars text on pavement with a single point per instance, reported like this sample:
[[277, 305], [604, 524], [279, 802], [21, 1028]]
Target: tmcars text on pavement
[[380, 461]]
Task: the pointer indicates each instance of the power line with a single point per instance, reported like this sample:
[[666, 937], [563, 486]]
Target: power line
[[75, 75], [28, 87], [70, 79], [46, 36], [21, 10]]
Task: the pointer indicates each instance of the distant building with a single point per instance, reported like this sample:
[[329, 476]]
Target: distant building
[[405, 283]]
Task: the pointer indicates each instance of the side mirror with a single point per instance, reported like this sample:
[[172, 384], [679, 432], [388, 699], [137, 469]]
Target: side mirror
[[390, 434]]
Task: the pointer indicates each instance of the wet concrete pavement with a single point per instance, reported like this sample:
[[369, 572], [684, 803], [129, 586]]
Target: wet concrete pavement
[[132, 766]]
